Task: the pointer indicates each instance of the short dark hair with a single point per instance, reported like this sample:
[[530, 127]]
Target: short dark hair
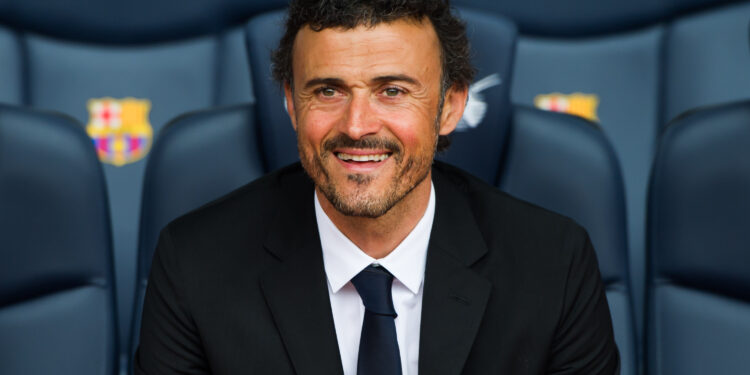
[[457, 70]]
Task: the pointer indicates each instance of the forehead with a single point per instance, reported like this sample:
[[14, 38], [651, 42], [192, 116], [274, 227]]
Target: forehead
[[399, 47]]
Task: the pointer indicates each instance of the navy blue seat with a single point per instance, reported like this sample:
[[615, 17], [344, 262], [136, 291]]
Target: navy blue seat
[[558, 161], [477, 145], [566, 164], [125, 69], [57, 308], [199, 157], [706, 59], [277, 135], [631, 66], [699, 221], [612, 79]]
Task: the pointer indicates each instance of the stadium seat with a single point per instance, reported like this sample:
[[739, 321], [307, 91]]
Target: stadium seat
[[558, 161], [707, 55], [611, 79], [57, 307], [124, 69], [630, 66], [199, 157], [11, 91], [477, 143], [699, 216], [566, 164], [276, 133]]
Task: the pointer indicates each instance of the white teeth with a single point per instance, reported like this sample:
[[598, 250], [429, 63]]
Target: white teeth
[[374, 157]]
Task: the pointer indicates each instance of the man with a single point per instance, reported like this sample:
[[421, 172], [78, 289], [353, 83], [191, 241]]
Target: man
[[370, 258]]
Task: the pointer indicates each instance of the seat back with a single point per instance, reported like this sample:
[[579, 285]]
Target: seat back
[[477, 144], [706, 59], [611, 79], [566, 164], [276, 132], [57, 311], [11, 73], [699, 215], [630, 66], [124, 69], [199, 157]]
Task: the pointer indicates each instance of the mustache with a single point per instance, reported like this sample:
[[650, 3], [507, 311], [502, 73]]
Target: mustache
[[367, 142]]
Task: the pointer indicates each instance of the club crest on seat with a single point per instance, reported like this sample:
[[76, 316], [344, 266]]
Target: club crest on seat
[[120, 129], [577, 104]]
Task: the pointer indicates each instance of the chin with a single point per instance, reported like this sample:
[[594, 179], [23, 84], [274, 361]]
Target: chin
[[367, 195], [360, 201], [366, 199]]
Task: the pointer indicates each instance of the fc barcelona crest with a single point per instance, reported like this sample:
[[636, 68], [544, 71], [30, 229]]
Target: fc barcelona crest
[[577, 104], [120, 129]]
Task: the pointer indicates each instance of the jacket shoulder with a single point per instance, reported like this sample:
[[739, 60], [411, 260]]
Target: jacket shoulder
[[511, 223], [245, 210]]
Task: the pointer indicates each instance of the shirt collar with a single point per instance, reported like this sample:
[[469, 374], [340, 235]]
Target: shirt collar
[[343, 260]]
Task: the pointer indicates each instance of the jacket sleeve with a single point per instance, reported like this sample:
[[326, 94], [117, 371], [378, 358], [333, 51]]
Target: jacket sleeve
[[584, 340], [169, 340]]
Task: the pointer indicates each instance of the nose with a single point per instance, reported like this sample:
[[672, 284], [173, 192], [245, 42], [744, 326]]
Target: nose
[[360, 119]]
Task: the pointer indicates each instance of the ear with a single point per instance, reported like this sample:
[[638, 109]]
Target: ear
[[453, 108], [288, 96]]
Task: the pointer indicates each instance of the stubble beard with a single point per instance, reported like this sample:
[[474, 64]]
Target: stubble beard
[[360, 202]]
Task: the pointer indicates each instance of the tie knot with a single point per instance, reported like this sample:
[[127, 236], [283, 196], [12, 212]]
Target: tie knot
[[374, 287]]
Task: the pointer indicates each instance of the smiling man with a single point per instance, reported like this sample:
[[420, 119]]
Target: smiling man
[[368, 257], [368, 105]]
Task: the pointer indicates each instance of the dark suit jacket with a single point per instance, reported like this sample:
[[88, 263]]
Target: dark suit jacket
[[238, 287]]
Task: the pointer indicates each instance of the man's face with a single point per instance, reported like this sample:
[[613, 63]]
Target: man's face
[[365, 108]]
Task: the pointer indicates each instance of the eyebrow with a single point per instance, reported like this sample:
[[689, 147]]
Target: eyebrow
[[380, 79], [324, 81], [397, 77]]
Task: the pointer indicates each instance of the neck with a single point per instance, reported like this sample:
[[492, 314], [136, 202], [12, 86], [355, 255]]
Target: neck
[[378, 237]]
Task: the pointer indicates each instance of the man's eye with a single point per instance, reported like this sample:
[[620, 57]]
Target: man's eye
[[392, 92], [327, 91]]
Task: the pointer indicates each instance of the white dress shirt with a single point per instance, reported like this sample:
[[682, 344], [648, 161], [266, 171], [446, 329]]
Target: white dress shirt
[[343, 260]]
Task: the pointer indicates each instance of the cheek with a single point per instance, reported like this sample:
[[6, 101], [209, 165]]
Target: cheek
[[314, 126], [413, 128], [414, 138]]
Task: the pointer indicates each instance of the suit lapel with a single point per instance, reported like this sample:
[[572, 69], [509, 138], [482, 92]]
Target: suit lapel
[[295, 288], [454, 297]]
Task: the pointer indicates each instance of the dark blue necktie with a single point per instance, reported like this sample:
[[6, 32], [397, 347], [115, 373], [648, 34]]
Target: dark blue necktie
[[378, 348]]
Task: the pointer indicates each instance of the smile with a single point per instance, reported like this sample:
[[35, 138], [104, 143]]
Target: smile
[[362, 158]]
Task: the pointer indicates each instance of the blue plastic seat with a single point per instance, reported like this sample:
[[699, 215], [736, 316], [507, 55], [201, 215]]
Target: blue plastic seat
[[630, 66], [566, 164], [611, 79], [124, 69], [57, 308], [199, 157], [706, 59], [699, 216]]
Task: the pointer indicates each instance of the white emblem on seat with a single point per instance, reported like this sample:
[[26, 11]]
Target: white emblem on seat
[[476, 108]]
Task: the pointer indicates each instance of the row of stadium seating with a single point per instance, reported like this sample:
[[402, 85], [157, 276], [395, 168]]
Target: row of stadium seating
[[57, 288], [627, 78]]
